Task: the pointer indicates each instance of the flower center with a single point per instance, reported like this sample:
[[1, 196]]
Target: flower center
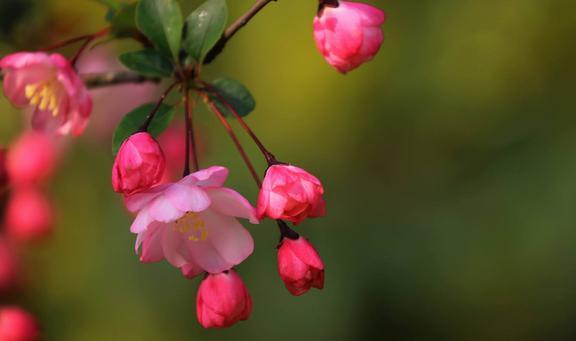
[[43, 95], [192, 225]]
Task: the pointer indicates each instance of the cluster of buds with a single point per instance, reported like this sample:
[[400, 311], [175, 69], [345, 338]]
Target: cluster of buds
[[194, 223]]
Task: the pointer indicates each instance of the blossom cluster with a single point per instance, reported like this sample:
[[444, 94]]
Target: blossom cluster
[[195, 223]]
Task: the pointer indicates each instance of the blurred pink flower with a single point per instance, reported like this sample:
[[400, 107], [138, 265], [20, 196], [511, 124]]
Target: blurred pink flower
[[348, 35], [300, 266], [192, 223], [290, 193], [29, 215], [3, 171], [17, 325], [139, 164], [113, 102], [49, 84], [222, 300], [31, 158], [9, 267]]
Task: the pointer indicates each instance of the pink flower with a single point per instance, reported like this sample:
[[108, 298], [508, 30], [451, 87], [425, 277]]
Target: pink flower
[[290, 193], [17, 325], [192, 223], [139, 164], [29, 215], [9, 267], [348, 35], [31, 158], [300, 266], [49, 84], [222, 300]]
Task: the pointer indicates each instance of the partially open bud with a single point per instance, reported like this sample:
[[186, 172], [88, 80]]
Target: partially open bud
[[300, 266], [139, 164], [290, 193], [9, 267], [222, 300], [31, 158], [29, 215], [17, 325], [348, 34]]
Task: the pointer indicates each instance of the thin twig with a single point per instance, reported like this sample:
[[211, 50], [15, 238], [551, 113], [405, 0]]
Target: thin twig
[[190, 129], [236, 142], [234, 28], [151, 115], [100, 80]]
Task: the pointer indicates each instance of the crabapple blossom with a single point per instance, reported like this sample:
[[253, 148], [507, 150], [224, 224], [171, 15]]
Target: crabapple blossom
[[48, 84], [17, 324], [222, 300], [29, 215], [348, 34], [290, 193], [139, 164], [192, 223], [31, 158], [300, 266]]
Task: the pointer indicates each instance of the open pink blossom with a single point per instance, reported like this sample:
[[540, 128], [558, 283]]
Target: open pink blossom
[[192, 223], [48, 84], [17, 324], [31, 159], [300, 266], [29, 215], [222, 300], [139, 164], [290, 193], [348, 34]]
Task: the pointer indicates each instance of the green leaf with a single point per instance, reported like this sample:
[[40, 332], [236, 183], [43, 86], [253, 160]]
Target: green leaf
[[134, 120], [204, 27], [235, 94], [123, 20], [161, 22], [148, 63]]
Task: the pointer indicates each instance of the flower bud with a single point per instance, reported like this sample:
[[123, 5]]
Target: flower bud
[[300, 266], [290, 193], [348, 34], [139, 164], [17, 325], [31, 159], [222, 300], [29, 215], [9, 267]]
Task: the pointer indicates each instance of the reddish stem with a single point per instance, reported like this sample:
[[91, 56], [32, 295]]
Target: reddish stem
[[236, 142], [157, 107], [190, 139]]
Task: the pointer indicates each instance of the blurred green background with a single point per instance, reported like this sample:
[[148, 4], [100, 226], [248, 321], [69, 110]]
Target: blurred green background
[[449, 163]]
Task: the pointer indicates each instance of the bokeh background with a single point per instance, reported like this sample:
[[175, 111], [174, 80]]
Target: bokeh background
[[449, 163]]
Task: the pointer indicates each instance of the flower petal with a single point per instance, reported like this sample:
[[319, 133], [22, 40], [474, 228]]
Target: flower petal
[[229, 202]]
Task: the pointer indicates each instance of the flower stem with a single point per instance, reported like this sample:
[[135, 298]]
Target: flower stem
[[146, 124], [236, 142], [191, 140], [270, 158], [286, 231]]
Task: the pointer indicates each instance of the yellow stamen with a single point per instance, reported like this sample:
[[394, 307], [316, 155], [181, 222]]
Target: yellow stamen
[[43, 95], [193, 225]]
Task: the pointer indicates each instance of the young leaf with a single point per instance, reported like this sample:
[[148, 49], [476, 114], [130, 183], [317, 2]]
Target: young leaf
[[148, 63], [136, 118], [204, 27], [161, 22], [235, 94]]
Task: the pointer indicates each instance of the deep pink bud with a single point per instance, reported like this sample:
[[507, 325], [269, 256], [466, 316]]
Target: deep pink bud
[[300, 266], [31, 158], [17, 325], [9, 267], [290, 193], [348, 35], [222, 300], [29, 215], [139, 164]]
